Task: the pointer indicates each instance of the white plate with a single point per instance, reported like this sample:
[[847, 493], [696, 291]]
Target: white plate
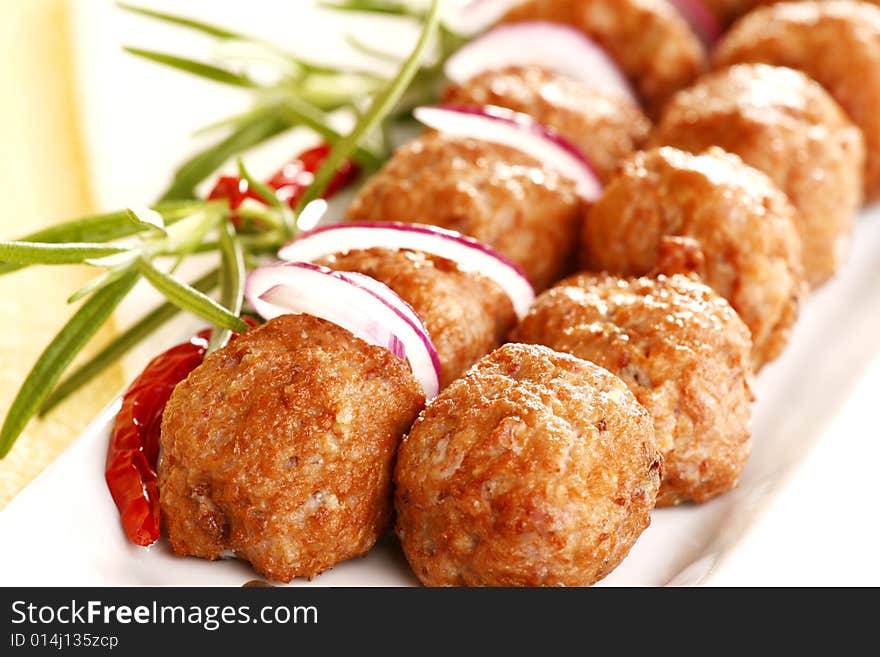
[[63, 528]]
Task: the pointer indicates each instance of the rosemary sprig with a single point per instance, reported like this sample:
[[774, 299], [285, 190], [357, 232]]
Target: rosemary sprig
[[381, 105], [121, 345], [37, 253], [58, 355], [188, 298], [127, 243], [232, 277]]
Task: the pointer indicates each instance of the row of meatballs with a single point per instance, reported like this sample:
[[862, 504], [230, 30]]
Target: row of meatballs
[[539, 464]]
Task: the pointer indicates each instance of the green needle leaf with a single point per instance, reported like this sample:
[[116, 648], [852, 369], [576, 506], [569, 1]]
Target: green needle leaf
[[57, 357], [121, 345], [260, 127], [147, 218], [381, 105], [102, 227], [43, 253], [190, 299], [100, 282], [204, 28], [232, 277], [194, 67]]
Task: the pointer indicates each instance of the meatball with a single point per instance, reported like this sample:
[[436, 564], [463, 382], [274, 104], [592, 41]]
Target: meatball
[[497, 194], [466, 314], [280, 448], [729, 10], [669, 211], [651, 43], [607, 127], [684, 353], [835, 43], [534, 469], [781, 122]]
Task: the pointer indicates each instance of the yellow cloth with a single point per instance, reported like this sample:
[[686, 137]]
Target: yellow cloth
[[42, 180]]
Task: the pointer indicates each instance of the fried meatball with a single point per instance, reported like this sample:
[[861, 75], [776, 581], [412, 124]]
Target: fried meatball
[[728, 11], [535, 469], [651, 43], [607, 127], [727, 221], [499, 195], [280, 447], [835, 43], [466, 314], [781, 122], [684, 353]]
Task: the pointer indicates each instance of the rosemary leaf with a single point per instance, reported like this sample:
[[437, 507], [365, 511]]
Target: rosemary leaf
[[121, 345], [190, 299], [147, 218], [379, 108], [199, 26], [194, 67], [232, 277], [101, 227], [57, 357], [260, 127], [48, 253], [100, 282]]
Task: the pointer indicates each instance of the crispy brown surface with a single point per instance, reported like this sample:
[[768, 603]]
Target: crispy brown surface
[[496, 194], [835, 43], [281, 446], [535, 469], [606, 126], [466, 314], [742, 224], [729, 10], [648, 39], [781, 122], [684, 353]]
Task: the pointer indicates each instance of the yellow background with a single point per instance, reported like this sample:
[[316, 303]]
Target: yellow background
[[42, 180]]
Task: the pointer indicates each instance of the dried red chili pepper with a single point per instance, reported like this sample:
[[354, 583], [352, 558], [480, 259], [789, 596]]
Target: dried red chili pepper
[[293, 178], [290, 182], [133, 452], [134, 443]]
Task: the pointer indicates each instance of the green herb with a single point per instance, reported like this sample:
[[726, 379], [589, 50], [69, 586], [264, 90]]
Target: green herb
[[127, 244], [201, 69], [121, 345], [52, 363], [37, 253], [381, 105], [190, 299], [232, 277]]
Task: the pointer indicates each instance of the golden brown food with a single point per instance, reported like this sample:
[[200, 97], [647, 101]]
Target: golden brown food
[[607, 127], [466, 314], [781, 122], [835, 43], [722, 218], [728, 11], [280, 448], [649, 40], [535, 469], [499, 195], [684, 353]]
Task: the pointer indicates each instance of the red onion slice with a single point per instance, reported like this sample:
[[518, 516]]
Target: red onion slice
[[466, 252], [502, 126], [702, 20], [370, 311], [553, 46]]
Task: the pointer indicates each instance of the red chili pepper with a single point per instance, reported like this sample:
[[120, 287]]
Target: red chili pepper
[[133, 452], [293, 178], [290, 182]]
